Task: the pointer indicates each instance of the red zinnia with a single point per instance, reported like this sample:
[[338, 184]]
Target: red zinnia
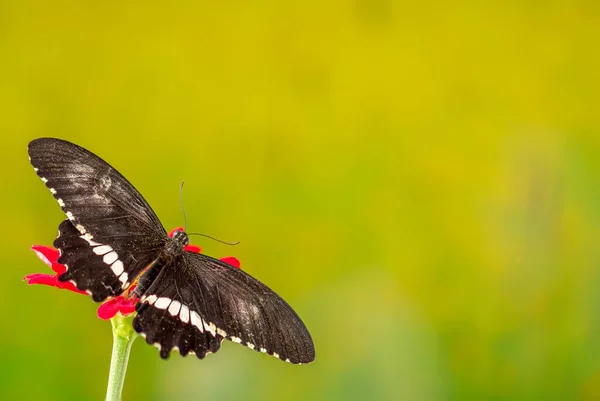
[[50, 257], [124, 304]]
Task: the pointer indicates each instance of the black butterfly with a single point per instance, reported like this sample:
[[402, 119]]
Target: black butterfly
[[188, 301]]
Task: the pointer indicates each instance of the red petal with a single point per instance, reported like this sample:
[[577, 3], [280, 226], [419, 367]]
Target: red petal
[[192, 248], [232, 261], [113, 306], [46, 254], [58, 268], [128, 306], [173, 230], [40, 278], [52, 281], [67, 285], [108, 309]]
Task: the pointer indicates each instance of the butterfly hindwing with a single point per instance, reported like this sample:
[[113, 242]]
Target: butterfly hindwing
[[167, 316], [112, 218], [165, 331], [102, 270], [225, 302]]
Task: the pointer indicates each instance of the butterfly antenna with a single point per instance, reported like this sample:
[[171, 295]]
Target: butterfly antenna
[[181, 204], [213, 238]]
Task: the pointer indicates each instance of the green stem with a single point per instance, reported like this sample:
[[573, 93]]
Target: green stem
[[123, 336]]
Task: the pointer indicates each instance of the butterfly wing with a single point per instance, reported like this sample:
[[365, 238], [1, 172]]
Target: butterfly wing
[[102, 270], [111, 232], [203, 298], [169, 321]]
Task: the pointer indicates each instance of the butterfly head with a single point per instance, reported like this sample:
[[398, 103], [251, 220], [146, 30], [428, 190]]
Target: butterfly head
[[181, 238]]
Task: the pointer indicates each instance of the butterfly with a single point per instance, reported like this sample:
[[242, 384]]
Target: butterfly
[[188, 301]]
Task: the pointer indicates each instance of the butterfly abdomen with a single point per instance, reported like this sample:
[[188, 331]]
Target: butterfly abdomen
[[148, 277]]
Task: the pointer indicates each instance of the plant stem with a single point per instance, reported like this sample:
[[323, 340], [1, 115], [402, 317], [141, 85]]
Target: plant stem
[[123, 336]]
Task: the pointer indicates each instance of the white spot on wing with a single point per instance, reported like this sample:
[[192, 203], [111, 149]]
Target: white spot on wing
[[110, 258], [197, 321], [263, 350], [81, 228], [275, 354], [151, 299], [236, 339], [103, 249], [53, 191], [70, 216], [123, 279], [44, 180], [250, 345], [184, 315], [221, 332], [210, 328], [162, 303], [174, 308], [60, 202], [117, 268], [88, 237]]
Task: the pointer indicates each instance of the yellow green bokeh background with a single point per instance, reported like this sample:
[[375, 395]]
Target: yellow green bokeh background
[[421, 182]]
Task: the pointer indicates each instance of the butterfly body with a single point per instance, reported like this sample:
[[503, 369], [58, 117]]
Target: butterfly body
[[187, 301]]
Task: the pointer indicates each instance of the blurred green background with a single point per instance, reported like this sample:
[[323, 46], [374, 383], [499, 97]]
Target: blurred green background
[[420, 182]]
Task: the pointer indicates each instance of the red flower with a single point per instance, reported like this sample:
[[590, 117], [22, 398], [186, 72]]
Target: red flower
[[50, 257], [126, 306], [120, 304]]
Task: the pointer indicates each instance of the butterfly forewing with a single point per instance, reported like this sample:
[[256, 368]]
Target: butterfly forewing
[[218, 300], [112, 218]]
